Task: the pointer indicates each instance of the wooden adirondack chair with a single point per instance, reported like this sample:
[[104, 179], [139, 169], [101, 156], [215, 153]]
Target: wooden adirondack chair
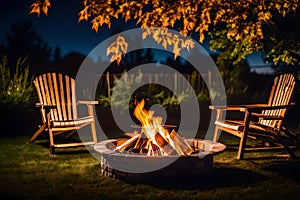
[[261, 121], [58, 108]]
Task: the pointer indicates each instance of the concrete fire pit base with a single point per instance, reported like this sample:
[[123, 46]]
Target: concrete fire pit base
[[130, 166]]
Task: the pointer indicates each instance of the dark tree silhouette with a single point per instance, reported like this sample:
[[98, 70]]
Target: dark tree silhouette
[[24, 41], [57, 55]]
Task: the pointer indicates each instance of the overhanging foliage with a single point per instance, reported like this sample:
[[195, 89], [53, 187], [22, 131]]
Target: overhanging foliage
[[248, 25]]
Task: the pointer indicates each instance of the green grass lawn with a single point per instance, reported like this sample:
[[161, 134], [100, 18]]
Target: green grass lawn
[[28, 171]]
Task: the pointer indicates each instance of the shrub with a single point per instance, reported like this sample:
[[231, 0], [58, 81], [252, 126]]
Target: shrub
[[16, 88], [153, 93], [122, 92]]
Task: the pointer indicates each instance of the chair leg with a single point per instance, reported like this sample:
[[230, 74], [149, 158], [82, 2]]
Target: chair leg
[[52, 150], [217, 131], [51, 136], [216, 134], [93, 129], [243, 139], [51, 140], [242, 145], [38, 132]]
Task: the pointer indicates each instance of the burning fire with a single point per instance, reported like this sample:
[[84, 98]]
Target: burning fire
[[154, 139]]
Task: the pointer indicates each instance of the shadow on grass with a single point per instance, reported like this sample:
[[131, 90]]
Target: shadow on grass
[[66, 150], [269, 154], [216, 178], [288, 170]]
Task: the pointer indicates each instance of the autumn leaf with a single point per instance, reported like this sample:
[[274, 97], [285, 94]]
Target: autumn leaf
[[144, 34], [83, 15], [40, 5], [35, 8], [117, 49], [164, 44], [45, 6]]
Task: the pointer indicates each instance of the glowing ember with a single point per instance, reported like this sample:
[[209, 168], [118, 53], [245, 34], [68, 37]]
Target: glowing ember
[[154, 139]]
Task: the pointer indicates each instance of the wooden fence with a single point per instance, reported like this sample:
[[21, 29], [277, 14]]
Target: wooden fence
[[106, 82]]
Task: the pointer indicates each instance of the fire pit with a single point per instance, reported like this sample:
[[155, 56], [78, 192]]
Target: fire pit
[[125, 165], [156, 151]]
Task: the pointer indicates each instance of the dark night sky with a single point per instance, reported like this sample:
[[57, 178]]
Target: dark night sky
[[59, 28]]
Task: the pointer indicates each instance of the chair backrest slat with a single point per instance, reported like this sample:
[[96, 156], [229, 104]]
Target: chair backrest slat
[[52, 95], [57, 99], [40, 80], [44, 90], [68, 93], [47, 92], [59, 90], [62, 96], [74, 101], [284, 95], [272, 100], [40, 97], [281, 93]]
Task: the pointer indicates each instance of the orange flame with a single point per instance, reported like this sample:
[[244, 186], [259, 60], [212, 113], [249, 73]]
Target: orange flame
[[159, 136]]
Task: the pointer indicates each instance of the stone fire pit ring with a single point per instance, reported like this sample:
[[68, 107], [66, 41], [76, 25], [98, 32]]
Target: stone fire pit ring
[[119, 164]]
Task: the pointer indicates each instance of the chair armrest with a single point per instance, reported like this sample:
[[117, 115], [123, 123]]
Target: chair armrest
[[237, 107], [47, 108], [42, 106], [224, 107], [88, 102], [251, 107]]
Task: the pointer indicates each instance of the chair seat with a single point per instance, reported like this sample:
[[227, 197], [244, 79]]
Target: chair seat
[[72, 123], [238, 125], [230, 124]]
